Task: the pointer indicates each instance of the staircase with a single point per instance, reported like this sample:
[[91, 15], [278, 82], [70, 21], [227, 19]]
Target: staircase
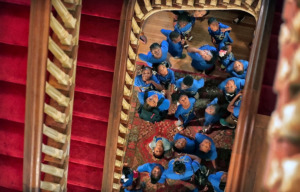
[[97, 48], [268, 98], [95, 66]]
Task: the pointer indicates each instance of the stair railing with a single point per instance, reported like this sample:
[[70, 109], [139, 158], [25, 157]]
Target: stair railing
[[133, 15], [53, 96]]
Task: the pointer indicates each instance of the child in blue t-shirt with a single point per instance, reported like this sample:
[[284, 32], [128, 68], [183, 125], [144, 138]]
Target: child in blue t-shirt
[[183, 144], [152, 100], [184, 25], [182, 168], [185, 111], [234, 108], [189, 86], [157, 54], [155, 171], [212, 113], [203, 58], [130, 180], [175, 42], [206, 148], [238, 69], [146, 81], [166, 77], [226, 56], [231, 87], [219, 33], [218, 181]]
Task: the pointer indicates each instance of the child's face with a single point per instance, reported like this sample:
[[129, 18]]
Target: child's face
[[156, 172], [184, 101], [205, 146], [211, 110], [182, 24], [238, 66], [158, 150], [224, 177], [177, 39], [156, 52], [230, 86], [206, 55], [152, 100], [162, 70], [146, 74], [180, 143], [199, 14], [214, 26]]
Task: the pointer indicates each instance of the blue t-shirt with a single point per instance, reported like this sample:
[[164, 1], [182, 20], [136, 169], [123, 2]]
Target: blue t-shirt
[[190, 144], [186, 114], [215, 180], [226, 60], [237, 106], [220, 36], [148, 167], [234, 74], [198, 62], [149, 58], [186, 29], [191, 91], [240, 83], [169, 78], [175, 49], [212, 154], [210, 119], [165, 104], [138, 82], [190, 167]]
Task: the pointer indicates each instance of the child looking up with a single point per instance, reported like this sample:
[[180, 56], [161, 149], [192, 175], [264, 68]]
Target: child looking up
[[206, 148], [146, 81], [203, 58], [183, 143], [219, 33], [212, 113], [238, 69], [161, 147], [226, 56], [157, 54], [166, 78], [234, 108], [189, 86], [218, 181], [155, 171], [184, 25], [231, 87], [175, 43], [185, 111]]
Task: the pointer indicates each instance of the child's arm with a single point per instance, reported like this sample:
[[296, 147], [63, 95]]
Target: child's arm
[[226, 29], [138, 89], [231, 104], [165, 32], [156, 85]]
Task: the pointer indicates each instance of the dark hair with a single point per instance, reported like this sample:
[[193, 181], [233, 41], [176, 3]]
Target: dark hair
[[188, 80], [176, 149], [147, 107], [173, 35], [222, 185], [182, 94], [160, 156], [156, 65], [144, 67], [211, 20], [184, 17], [214, 58], [154, 46], [179, 167], [126, 171]]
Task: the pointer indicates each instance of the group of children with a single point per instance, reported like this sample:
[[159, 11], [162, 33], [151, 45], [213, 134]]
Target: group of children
[[157, 88]]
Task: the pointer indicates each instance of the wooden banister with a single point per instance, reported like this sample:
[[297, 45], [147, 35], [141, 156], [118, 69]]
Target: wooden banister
[[239, 164], [35, 92]]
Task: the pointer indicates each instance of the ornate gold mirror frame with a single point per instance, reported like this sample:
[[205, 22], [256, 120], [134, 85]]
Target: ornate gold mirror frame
[[133, 15]]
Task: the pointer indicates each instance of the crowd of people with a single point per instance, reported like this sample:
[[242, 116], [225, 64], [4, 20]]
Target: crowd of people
[[157, 88]]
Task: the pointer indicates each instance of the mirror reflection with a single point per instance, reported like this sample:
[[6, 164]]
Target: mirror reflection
[[188, 89]]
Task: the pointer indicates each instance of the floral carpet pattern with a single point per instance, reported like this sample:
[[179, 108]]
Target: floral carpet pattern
[[142, 133]]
